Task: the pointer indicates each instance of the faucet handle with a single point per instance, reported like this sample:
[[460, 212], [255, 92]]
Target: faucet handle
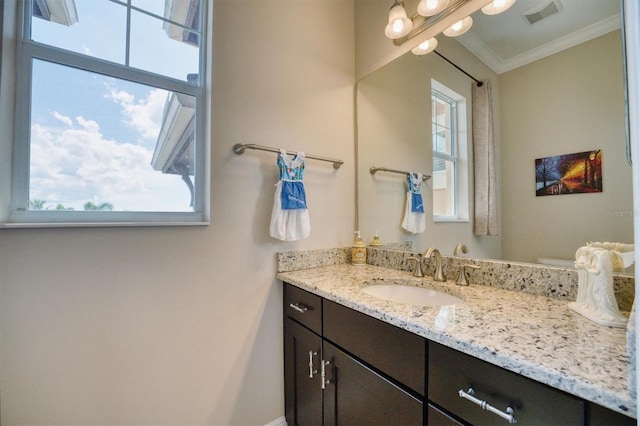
[[460, 248], [418, 271], [462, 277]]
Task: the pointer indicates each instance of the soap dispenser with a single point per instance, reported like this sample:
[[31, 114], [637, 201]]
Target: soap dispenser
[[375, 242], [358, 251]]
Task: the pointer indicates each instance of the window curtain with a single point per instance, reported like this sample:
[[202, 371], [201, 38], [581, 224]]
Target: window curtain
[[486, 204]]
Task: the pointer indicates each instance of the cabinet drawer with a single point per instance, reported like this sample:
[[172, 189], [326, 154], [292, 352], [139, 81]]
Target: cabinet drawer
[[533, 403], [304, 307], [391, 350], [598, 415]]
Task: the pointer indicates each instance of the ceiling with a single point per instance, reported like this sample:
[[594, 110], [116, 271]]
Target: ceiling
[[507, 41]]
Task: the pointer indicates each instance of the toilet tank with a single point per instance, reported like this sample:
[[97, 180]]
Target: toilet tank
[[563, 263]]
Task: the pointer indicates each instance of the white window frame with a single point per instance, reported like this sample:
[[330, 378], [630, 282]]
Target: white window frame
[[458, 157], [19, 213]]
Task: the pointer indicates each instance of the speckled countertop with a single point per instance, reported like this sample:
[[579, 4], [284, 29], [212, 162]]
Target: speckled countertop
[[535, 336]]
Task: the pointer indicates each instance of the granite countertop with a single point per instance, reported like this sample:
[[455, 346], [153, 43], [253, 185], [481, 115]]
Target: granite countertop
[[534, 336]]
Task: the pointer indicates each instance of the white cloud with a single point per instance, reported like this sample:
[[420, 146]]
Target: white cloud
[[88, 125], [63, 118], [75, 164], [145, 115]]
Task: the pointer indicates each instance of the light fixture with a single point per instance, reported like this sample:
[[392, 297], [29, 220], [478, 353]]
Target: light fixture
[[425, 47], [497, 6], [399, 24], [432, 7], [459, 28]]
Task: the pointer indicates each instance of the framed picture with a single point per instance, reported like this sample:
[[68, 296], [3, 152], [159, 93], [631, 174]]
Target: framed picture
[[569, 174]]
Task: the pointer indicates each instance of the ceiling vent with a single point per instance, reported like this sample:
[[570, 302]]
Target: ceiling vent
[[537, 14]]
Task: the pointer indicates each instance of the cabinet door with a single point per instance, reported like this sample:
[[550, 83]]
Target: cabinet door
[[303, 392], [355, 395], [435, 417]]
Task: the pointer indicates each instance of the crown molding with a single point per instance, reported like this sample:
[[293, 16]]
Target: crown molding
[[499, 65]]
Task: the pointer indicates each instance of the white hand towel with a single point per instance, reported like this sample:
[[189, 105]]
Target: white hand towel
[[414, 220]]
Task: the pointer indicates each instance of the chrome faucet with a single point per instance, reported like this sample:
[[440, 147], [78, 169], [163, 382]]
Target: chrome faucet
[[438, 275], [460, 248]]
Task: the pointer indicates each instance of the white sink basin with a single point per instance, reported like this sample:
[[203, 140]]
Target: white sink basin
[[411, 294]]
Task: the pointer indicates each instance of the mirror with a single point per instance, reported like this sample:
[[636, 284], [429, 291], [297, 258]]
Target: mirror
[[557, 103]]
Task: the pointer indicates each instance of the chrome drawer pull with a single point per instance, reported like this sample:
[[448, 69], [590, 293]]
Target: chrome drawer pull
[[323, 374], [299, 307], [507, 414], [311, 370]]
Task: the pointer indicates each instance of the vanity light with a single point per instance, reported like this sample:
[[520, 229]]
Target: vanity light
[[497, 6], [399, 24], [459, 28], [432, 7], [425, 47]]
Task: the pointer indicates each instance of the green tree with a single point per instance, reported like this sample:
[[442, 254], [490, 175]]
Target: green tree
[[36, 204], [90, 205], [60, 207]]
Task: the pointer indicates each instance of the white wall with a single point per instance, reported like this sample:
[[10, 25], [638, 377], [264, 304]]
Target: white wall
[[183, 325], [566, 103]]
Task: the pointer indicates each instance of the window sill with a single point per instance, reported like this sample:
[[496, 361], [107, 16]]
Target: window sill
[[25, 225], [449, 220]]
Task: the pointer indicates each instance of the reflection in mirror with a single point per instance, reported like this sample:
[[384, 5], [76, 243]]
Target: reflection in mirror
[[552, 96]]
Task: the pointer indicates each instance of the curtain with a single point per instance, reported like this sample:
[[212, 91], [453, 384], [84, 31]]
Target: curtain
[[486, 208]]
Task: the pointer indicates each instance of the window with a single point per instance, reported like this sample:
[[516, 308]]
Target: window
[[448, 123], [110, 112]]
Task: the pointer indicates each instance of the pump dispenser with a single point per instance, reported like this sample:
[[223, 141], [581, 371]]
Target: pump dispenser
[[375, 242], [358, 251]]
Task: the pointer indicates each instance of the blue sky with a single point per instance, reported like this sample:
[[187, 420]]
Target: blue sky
[[93, 136]]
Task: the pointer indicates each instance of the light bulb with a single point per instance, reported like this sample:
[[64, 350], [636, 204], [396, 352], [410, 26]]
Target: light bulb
[[425, 47], [399, 25], [497, 6], [432, 7], [459, 28]]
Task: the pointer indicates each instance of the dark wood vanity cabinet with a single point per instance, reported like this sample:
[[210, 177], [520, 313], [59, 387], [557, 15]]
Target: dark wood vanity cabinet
[[326, 383], [343, 367], [302, 356]]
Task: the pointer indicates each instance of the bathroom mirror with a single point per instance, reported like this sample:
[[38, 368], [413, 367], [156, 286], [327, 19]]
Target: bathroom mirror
[[552, 96]]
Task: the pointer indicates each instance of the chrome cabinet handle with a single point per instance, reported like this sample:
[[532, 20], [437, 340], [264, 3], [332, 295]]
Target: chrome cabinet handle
[[298, 307], [323, 374], [311, 370], [507, 414]]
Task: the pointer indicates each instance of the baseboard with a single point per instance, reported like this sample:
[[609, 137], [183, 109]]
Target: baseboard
[[281, 421]]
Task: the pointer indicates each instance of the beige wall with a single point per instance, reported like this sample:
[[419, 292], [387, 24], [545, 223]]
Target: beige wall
[[569, 102], [183, 325]]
